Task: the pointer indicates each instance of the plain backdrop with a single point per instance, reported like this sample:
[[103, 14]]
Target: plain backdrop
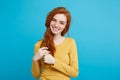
[[95, 27]]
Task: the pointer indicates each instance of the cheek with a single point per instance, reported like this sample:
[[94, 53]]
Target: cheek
[[52, 23], [63, 27]]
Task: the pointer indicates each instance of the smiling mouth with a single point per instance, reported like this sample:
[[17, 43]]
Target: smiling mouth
[[55, 29]]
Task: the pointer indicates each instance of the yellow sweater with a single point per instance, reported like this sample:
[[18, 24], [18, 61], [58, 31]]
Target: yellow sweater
[[66, 62]]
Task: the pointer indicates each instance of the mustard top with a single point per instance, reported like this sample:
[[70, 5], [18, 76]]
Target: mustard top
[[65, 66]]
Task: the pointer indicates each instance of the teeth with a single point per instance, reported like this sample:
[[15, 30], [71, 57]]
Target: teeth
[[55, 29]]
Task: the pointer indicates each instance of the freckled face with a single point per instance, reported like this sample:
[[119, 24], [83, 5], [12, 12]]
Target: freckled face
[[58, 23]]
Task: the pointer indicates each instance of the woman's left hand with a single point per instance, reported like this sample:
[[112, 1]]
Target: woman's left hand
[[49, 59]]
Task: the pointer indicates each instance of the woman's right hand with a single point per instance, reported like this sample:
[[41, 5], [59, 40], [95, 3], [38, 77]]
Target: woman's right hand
[[41, 52]]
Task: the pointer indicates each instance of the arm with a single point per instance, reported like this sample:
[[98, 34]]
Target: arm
[[68, 69], [35, 65]]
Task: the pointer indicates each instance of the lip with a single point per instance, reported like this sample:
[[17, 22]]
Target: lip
[[55, 29]]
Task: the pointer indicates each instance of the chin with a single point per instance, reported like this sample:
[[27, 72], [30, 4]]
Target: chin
[[56, 33]]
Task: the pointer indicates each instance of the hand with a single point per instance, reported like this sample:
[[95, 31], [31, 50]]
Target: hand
[[41, 52], [49, 59]]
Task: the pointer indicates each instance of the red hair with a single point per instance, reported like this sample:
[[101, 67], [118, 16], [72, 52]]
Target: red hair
[[48, 35]]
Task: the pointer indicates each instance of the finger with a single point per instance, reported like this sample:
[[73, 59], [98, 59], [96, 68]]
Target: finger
[[44, 56], [46, 52], [44, 48]]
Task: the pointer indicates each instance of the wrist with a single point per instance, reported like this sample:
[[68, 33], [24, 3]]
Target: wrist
[[34, 59], [53, 60], [40, 55]]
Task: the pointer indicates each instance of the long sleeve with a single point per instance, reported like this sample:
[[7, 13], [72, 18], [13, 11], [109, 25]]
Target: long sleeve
[[36, 65], [70, 69]]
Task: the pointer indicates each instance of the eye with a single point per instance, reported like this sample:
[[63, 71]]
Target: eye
[[54, 19], [63, 23]]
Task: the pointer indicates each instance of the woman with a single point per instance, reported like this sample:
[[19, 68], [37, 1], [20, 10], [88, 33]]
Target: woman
[[56, 56]]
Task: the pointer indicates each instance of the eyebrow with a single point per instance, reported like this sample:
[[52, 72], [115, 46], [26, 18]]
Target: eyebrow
[[63, 22]]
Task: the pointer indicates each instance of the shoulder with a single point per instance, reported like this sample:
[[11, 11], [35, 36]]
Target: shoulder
[[70, 40], [38, 43]]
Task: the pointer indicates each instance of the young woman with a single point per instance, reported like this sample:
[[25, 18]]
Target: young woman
[[56, 56]]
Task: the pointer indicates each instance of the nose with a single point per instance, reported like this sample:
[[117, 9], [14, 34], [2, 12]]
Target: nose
[[56, 24]]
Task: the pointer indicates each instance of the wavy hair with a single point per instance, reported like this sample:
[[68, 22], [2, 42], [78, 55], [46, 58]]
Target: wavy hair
[[48, 35]]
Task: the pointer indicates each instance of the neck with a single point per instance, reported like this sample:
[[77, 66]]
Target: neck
[[57, 37]]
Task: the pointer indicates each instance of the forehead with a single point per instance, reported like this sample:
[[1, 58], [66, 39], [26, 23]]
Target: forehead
[[60, 17]]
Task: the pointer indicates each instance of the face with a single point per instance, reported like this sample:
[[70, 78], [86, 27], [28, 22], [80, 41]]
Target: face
[[58, 23]]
